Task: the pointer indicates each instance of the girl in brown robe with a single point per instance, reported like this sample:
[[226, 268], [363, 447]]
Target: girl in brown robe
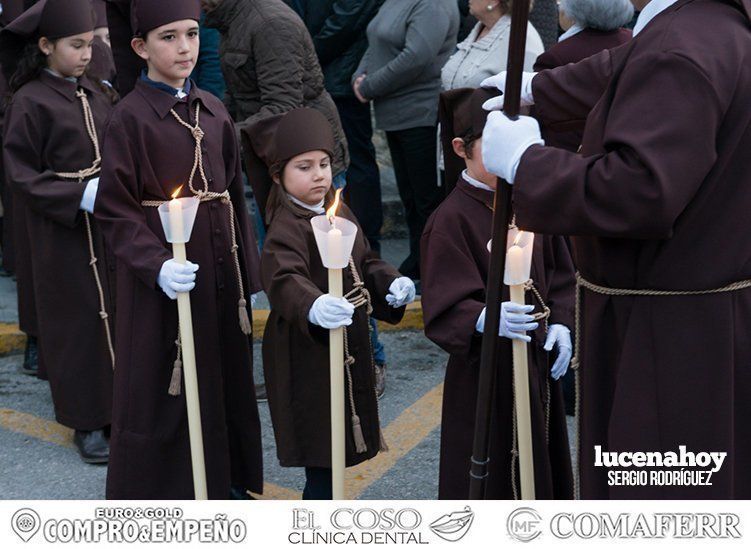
[[164, 134], [455, 269], [295, 344], [51, 144]]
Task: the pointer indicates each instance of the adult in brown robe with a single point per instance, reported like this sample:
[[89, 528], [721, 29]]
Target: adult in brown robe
[[455, 269], [657, 201], [46, 136], [147, 156]]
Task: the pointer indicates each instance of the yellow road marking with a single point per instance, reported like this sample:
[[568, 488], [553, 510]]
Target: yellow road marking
[[402, 435], [33, 426]]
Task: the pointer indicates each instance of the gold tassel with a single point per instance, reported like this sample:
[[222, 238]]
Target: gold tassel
[[384, 447], [360, 446], [245, 325], [177, 378]]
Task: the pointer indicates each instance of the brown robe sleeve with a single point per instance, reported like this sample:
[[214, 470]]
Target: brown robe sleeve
[[564, 96], [23, 146], [453, 291], [562, 283], [649, 171], [286, 276], [119, 212]]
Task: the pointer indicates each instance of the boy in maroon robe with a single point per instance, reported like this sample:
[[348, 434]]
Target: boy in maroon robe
[[165, 134], [657, 205], [455, 261]]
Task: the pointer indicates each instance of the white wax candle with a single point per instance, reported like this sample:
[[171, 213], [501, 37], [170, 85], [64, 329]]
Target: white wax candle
[[515, 265], [335, 247], [176, 220]]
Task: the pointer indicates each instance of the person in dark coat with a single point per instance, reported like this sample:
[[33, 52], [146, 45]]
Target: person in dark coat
[[153, 148], [52, 156], [455, 267], [298, 150], [656, 205], [102, 62], [128, 65]]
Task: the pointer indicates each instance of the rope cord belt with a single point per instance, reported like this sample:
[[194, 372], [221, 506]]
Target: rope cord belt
[[204, 195], [80, 176], [582, 283], [359, 296]]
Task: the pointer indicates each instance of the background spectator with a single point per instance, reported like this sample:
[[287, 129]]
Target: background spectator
[[208, 72], [408, 43], [544, 17]]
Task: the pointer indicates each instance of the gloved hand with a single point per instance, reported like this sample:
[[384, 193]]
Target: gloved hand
[[504, 141], [499, 81], [331, 312], [514, 321], [560, 336], [401, 292], [89, 195], [175, 277]]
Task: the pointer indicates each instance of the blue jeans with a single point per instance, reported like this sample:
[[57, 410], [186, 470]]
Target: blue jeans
[[379, 353]]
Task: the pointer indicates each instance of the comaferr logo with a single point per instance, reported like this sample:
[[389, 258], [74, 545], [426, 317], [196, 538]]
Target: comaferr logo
[[646, 526], [454, 526], [524, 524]]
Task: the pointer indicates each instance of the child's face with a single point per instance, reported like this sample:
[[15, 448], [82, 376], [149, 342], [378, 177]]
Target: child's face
[[68, 56], [170, 51], [104, 34], [473, 160], [307, 176]]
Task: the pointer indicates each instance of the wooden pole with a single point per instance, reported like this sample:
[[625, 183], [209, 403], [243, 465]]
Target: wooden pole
[[501, 219], [336, 360], [191, 383]]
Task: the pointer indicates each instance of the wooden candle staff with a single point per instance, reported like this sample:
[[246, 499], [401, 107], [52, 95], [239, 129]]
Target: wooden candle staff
[[501, 219], [335, 237], [177, 218]]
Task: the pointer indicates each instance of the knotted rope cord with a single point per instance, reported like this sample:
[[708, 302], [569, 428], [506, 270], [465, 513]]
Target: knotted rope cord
[[80, 175], [359, 296], [582, 283]]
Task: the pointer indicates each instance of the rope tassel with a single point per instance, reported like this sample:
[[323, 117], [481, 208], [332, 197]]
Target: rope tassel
[[245, 325], [360, 446], [175, 384]]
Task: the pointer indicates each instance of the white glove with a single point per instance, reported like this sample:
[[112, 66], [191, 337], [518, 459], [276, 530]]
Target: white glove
[[499, 81], [560, 336], [514, 321], [89, 195], [175, 277], [401, 292], [331, 312], [504, 141]]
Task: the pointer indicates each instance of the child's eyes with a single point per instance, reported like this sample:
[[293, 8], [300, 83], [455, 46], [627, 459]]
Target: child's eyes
[[168, 37], [193, 34]]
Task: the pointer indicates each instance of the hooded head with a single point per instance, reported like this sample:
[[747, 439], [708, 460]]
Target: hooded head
[[147, 15], [462, 117], [51, 19]]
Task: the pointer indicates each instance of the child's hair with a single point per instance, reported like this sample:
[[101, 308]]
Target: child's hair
[[469, 138], [31, 64]]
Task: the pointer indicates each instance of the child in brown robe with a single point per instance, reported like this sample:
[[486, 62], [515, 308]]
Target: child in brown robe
[[455, 267], [298, 148], [165, 134], [52, 159]]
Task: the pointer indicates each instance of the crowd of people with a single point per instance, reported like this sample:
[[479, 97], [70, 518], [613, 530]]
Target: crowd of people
[[625, 165]]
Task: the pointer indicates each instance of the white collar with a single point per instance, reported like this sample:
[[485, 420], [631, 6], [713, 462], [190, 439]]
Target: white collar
[[58, 75], [576, 28], [475, 183], [650, 11], [317, 208]]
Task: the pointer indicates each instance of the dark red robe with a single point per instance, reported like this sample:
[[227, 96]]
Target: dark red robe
[[45, 134], [455, 261], [657, 200], [147, 155]]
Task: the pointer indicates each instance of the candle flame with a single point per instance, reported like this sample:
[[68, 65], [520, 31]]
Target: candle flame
[[518, 238], [177, 192], [331, 212]]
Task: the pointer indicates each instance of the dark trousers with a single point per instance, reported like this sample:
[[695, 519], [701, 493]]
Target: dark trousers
[[317, 483], [363, 190], [413, 153]]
